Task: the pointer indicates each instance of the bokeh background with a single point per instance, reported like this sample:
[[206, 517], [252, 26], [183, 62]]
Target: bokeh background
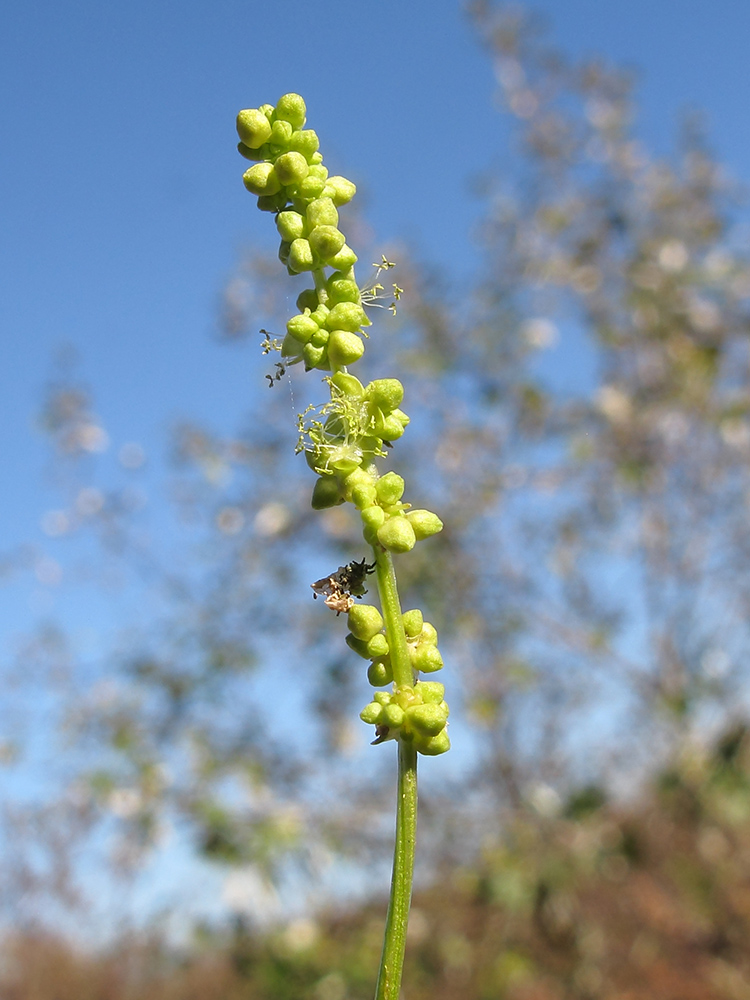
[[189, 802]]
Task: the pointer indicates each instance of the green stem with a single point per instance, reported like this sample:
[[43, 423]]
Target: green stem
[[394, 943], [319, 277], [403, 675]]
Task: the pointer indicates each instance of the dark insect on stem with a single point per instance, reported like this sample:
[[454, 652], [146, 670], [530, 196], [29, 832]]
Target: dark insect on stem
[[341, 587]]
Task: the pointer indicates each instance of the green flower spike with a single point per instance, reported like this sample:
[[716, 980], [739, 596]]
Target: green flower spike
[[344, 441]]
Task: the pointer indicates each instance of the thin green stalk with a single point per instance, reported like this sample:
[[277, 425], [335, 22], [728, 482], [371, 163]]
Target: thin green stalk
[[403, 674], [394, 943], [344, 441]]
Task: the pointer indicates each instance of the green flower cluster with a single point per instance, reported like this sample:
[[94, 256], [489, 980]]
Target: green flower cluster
[[416, 714], [343, 438], [367, 637]]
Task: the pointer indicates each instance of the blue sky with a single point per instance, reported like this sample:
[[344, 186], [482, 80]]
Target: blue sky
[[124, 211]]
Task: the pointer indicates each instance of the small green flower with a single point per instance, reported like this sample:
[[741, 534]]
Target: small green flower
[[300, 256], [262, 179], [413, 622], [281, 133], [345, 259], [306, 142], [291, 226], [291, 168], [425, 523], [372, 714], [432, 692], [326, 241], [434, 746], [291, 108], [427, 659], [380, 673], [365, 621], [253, 128], [397, 535], [340, 190], [322, 212], [377, 646], [385, 394], [326, 493], [390, 488], [344, 348]]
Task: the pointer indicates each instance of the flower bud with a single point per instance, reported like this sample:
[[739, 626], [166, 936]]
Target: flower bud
[[272, 202], [372, 714], [305, 142], [428, 636], [291, 108], [427, 719], [413, 623], [379, 674], [256, 155], [339, 190], [390, 428], [326, 493], [405, 696], [364, 497], [348, 384], [300, 256], [397, 535], [357, 478], [382, 697], [310, 187], [312, 355], [344, 348], [290, 348], [322, 212], [291, 168], [393, 716], [425, 523], [435, 745], [320, 337], [302, 328], [432, 692], [364, 622], [326, 241], [359, 647], [372, 517], [385, 394], [253, 127], [344, 260], [390, 488], [281, 133], [291, 226], [262, 179], [320, 314], [307, 299], [377, 646], [347, 316], [343, 290], [347, 461], [427, 659]]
